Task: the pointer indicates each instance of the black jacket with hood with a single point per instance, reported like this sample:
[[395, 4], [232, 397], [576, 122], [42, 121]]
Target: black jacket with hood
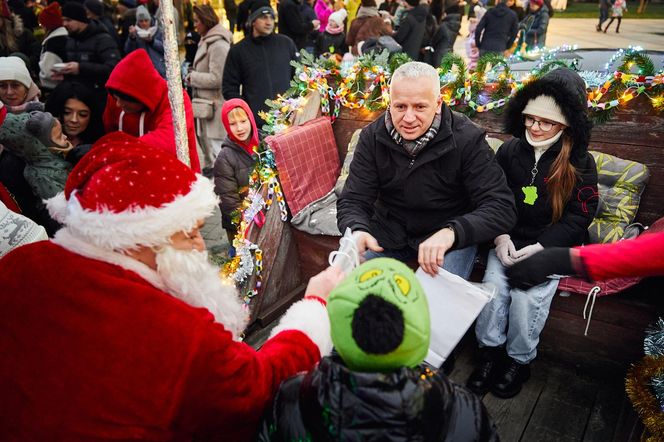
[[96, 52], [517, 158], [333, 403], [500, 25], [411, 31], [454, 181]]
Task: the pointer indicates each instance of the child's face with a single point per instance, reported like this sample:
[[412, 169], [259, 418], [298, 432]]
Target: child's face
[[58, 137], [240, 126], [144, 24]]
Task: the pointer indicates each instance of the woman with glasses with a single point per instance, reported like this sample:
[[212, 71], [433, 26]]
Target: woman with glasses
[[554, 182]]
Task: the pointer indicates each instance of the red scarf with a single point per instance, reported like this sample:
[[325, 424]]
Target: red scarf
[[252, 142]]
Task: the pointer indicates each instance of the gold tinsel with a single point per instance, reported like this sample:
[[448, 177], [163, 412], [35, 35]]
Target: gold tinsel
[[637, 386]]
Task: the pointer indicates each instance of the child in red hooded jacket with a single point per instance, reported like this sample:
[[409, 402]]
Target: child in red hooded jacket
[[235, 161]]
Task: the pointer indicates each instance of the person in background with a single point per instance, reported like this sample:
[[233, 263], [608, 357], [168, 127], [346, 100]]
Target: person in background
[[308, 13], [17, 90], [91, 52], [390, 6], [14, 37], [367, 24], [231, 14], [138, 105], [127, 17], [497, 30], [472, 52], [54, 45], [206, 78], [516, 6], [245, 9], [235, 163], [412, 28], [78, 109], [126, 296], [617, 9], [95, 10], [538, 17], [262, 55], [323, 9], [376, 385], [554, 181], [333, 40], [147, 35], [292, 24]]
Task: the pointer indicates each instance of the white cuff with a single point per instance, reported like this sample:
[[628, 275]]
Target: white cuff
[[310, 317]]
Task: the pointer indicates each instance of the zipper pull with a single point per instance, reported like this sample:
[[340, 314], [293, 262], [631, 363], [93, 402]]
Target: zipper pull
[[410, 166]]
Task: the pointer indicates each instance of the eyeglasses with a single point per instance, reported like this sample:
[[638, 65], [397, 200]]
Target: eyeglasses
[[543, 125]]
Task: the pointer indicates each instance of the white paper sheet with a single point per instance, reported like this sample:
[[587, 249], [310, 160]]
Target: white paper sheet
[[454, 304]]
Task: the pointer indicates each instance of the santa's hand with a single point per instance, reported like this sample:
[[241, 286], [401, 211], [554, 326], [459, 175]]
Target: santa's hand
[[528, 251], [535, 270], [322, 284], [431, 252], [365, 241], [505, 250]]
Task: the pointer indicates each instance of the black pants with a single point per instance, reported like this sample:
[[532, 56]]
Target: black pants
[[611, 21]]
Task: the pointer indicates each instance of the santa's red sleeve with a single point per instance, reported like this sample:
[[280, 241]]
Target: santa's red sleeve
[[230, 383], [643, 256]]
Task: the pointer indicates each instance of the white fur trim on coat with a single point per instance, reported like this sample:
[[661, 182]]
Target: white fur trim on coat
[[310, 317], [140, 226]]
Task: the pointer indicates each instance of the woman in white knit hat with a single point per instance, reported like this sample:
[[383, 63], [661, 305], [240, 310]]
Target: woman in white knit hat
[[554, 182], [16, 86]]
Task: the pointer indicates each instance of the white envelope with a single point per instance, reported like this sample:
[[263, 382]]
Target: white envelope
[[454, 304]]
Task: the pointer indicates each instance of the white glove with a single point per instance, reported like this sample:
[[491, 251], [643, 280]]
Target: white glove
[[527, 251], [505, 250]]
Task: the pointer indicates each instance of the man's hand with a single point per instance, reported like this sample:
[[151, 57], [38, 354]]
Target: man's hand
[[322, 284], [57, 75], [535, 270], [364, 241], [70, 68], [431, 253]]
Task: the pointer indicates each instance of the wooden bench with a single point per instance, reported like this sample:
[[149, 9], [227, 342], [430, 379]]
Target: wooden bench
[[291, 257]]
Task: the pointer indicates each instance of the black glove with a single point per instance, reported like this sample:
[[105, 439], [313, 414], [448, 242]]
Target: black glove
[[535, 270]]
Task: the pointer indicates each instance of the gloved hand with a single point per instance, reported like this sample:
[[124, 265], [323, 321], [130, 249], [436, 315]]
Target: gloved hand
[[505, 250], [528, 251], [534, 270]]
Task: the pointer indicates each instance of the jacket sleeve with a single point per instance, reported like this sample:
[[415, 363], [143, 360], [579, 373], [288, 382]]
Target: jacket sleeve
[[494, 210], [229, 384], [108, 52], [404, 31], [478, 31], [232, 78], [212, 79], [355, 205], [226, 185], [572, 228], [157, 42], [514, 30], [48, 59], [641, 256]]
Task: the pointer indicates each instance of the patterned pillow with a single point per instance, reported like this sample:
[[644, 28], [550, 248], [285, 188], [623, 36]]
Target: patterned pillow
[[620, 184], [307, 161]]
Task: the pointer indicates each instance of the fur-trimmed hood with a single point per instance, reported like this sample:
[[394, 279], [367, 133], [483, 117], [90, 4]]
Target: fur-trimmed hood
[[569, 91]]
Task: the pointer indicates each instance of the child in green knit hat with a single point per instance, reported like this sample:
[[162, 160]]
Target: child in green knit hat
[[375, 386]]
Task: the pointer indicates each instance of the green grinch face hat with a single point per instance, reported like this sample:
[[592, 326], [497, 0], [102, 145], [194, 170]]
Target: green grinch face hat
[[379, 317]]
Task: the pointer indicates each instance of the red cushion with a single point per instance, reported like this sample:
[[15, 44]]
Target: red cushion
[[307, 162]]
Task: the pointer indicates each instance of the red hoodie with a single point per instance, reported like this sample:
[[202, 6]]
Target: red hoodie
[[136, 76], [253, 141]]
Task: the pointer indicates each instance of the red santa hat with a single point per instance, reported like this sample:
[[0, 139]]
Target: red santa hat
[[125, 193]]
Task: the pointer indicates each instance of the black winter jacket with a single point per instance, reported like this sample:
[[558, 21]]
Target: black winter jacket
[[261, 66], [335, 42], [411, 31], [292, 23], [453, 181], [332, 403], [517, 158], [96, 52], [231, 178], [500, 25]]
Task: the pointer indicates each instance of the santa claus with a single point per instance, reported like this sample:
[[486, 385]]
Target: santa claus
[[119, 329]]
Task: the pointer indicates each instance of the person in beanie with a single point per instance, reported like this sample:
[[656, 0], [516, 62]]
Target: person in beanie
[[554, 181], [127, 305], [235, 162], [17, 90], [376, 386], [146, 35], [261, 55], [91, 52], [95, 10], [333, 40], [54, 45], [138, 105]]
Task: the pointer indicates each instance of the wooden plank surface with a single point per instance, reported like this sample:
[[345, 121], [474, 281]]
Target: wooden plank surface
[[605, 413]]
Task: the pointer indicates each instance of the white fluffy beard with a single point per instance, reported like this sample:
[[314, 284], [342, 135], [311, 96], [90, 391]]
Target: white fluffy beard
[[191, 278]]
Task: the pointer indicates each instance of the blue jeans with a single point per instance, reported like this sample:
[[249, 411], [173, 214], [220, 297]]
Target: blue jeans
[[460, 262], [513, 317]]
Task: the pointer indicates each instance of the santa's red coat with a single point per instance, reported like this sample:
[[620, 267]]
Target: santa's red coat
[[135, 76], [92, 351]]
